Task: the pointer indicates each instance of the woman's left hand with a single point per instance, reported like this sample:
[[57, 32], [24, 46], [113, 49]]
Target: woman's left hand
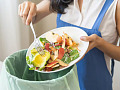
[[92, 39]]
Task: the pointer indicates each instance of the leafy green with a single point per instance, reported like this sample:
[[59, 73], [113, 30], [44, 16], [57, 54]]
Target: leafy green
[[72, 48], [32, 68], [75, 56], [58, 47], [28, 60], [40, 69], [73, 52], [67, 58], [43, 40], [63, 59]]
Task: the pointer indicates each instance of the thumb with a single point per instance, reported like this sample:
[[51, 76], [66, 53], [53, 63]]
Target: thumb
[[86, 38]]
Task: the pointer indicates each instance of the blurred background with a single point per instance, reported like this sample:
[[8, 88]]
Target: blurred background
[[14, 35]]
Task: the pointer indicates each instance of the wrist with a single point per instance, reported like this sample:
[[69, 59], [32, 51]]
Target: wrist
[[99, 42]]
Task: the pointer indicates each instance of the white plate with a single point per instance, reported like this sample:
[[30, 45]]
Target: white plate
[[75, 33]]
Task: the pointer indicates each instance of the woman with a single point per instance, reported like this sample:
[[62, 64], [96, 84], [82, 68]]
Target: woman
[[100, 19]]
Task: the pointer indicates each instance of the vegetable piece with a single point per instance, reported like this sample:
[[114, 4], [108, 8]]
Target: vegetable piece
[[61, 62], [33, 51], [40, 60], [61, 53], [63, 59], [50, 60], [67, 60], [40, 69], [69, 41], [69, 50], [56, 65], [52, 64], [59, 39], [32, 68], [58, 45], [47, 46], [73, 52], [51, 37], [53, 57], [28, 60], [48, 69], [75, 56], [52, 48], [43, 40], [37, 68], [63, 43], [65, 55]]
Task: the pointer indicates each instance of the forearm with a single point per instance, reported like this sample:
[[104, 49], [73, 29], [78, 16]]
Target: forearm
[[109, 49], [42, 10]]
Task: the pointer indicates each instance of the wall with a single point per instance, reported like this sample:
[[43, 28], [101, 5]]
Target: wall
[[14, 35]]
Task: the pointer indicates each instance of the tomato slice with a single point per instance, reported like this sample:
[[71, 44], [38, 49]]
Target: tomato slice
[[61, 53], [47, 46], [37, 68]]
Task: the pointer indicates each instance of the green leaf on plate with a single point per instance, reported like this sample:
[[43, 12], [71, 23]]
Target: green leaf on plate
[[43, 40], [75, 56], [58, 47], [28, 60], [32, 68], [73, 52]]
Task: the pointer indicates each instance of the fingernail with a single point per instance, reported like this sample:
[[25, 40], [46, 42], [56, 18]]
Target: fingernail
[[83, 38], [27, 23], [20, 14]]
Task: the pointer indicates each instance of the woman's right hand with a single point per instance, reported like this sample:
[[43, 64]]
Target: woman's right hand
[[27, 10]]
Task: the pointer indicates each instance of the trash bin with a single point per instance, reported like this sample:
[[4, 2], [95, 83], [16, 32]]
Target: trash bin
[[15, 75]]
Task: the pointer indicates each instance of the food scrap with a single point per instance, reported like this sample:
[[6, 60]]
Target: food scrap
[[59, 52]]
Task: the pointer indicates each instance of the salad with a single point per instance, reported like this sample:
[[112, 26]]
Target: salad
[[59, 51]]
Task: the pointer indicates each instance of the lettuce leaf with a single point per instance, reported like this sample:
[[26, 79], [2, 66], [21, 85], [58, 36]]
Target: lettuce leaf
[[32, 68], [43, 40], [28, 60], [75, 56], [73, 52], [67, 58]]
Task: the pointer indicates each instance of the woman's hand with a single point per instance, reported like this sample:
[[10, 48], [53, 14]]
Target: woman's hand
[[27, 10], [93, 41], [106, 47]]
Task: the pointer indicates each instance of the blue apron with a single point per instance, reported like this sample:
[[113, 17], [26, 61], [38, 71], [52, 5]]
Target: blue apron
[[92, 69]]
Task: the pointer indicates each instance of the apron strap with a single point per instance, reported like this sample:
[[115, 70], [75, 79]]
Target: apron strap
[[102, 13], [112, 66]]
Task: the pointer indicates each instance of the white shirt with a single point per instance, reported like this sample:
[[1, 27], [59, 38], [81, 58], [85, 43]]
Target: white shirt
[[87, 17]]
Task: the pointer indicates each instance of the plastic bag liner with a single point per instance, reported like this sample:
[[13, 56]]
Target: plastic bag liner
[[15, 75]]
